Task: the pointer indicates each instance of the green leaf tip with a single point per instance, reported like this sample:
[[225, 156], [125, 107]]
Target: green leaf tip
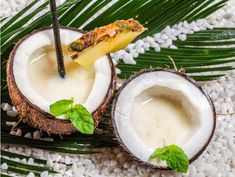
[[79, 116], [174, 157], [61, 107]]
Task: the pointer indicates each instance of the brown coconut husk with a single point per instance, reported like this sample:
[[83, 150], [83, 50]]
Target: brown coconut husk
[[38, 118]]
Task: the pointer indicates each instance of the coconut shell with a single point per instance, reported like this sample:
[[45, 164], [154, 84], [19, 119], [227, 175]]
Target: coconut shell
[[121, 143], [38, 118]]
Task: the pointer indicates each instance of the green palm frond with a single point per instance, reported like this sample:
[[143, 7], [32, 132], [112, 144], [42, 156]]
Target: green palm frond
[[196, 55], [155, 14], [16, 166]]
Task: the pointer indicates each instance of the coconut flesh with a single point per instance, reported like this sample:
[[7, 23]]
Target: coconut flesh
[[157, 108], [35, 74]]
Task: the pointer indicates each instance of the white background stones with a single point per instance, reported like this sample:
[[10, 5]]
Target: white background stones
[[218, 160]]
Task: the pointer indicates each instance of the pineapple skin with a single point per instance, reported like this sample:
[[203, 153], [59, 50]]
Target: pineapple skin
[[103, 40]]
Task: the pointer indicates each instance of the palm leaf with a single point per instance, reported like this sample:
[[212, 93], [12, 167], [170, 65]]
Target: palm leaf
[[19, 167], [156, 15], [195, 55]]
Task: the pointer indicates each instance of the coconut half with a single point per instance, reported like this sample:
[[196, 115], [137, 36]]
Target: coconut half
[[33, 88], [155, 107]]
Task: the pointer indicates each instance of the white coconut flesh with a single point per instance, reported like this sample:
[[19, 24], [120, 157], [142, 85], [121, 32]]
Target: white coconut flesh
[[162, 108], [36, 76]]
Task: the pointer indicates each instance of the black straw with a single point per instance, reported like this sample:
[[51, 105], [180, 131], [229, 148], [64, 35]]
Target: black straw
[[55, 25]]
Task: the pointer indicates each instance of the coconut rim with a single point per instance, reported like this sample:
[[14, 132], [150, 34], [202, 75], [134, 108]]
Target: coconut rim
[[189, 79], [111, 86]]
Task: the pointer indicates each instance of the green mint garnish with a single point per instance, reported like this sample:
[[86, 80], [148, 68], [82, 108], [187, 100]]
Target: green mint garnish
[[61, 107], [174, 157], [79, 116]]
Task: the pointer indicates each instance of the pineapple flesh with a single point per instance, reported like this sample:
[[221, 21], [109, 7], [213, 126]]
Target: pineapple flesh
[[103, 40]]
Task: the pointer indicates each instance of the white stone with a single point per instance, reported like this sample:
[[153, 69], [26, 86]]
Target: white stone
[[12, 132], [210, 170], [173, 47], [157, 48], [36, 134], [31, 174], [67, 160], [140, 50], [4, 166], [18, 132], [44, 174], [31, 161], [56, 167], [50, 163], [182, 37], [23, 160], [28, 135], [128, 59], [146, 46], [12, 113], [28, 151], [6, 107]]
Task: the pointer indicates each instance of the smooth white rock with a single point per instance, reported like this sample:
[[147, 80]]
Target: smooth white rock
[[31, 174], [4, 166]]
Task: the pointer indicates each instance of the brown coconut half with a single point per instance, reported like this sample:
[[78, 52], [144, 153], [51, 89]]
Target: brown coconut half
[[129, 139], [33, 114]]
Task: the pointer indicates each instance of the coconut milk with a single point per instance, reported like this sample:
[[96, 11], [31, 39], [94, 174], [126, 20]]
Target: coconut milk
[[44, 79], [160, 120]]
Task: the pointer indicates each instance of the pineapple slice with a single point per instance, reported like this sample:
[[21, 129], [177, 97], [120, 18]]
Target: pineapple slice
[[103, 40]]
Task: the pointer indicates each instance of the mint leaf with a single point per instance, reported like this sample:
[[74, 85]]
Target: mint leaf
[[61, 107], [174, 156], [81, 119], [79, 116], [158, 153]]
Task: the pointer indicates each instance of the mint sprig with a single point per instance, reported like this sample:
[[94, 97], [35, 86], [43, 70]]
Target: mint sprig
[[174, 157], [79, 116]]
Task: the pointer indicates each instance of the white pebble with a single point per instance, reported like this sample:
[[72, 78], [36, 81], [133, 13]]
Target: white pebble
[[67, 160], [4, 166], [56, 167], [173, 47], [49, 163], [31, 161], [157, 36], [140, 50], [23, 161], [210, 170], [28, 135], [118, 71], [128, 59], [157, 48], [140, 42], [6, 107], [12, 113], [149, 39], [81, 169], [182, 37], [10, 123], [164, 37], [31, 174], [36, 134], [146, 46], [166, 44], [18, 132], [44, 174], [28, 151], [12, 132]]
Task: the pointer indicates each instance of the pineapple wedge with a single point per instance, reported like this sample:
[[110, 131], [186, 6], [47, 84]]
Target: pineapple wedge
[[103, 40]]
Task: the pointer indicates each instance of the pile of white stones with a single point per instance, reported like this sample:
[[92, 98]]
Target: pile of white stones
[[218, 160]]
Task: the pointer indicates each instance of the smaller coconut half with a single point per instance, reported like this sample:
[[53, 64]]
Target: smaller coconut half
[[155, 107], [32, 106]]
